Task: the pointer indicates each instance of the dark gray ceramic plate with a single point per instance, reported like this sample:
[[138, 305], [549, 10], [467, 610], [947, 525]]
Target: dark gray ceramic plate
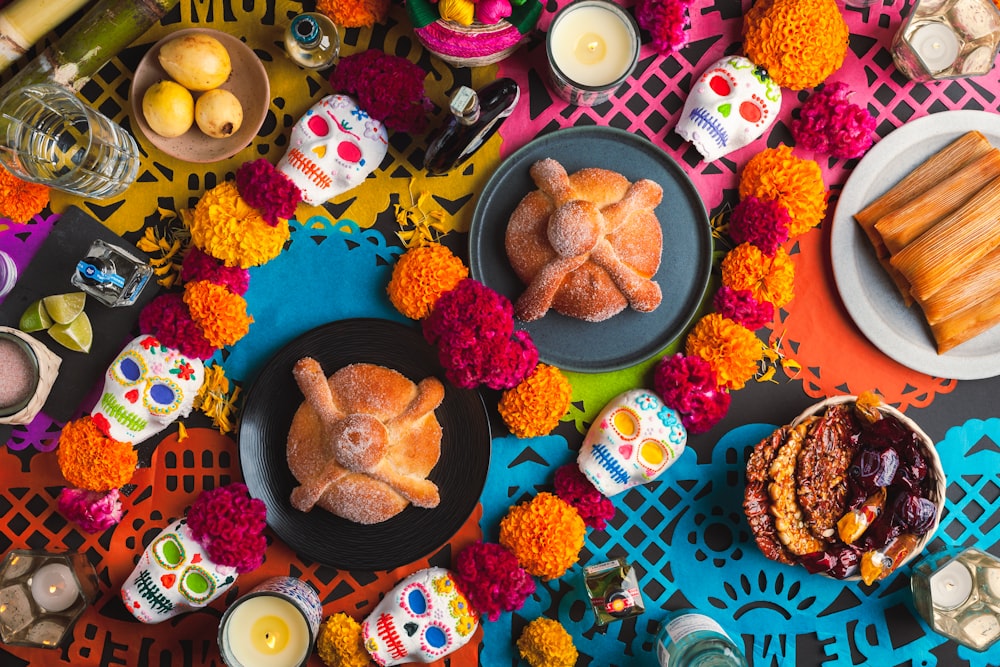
[[629, 337]]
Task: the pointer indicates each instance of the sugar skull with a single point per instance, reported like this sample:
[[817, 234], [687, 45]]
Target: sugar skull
[[146, 388], [334, 147], [633, 440], [174, 575], [422, 619], [733, 103]]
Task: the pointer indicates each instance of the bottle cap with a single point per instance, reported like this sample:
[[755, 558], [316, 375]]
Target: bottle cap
[[305, 29], [465, 105]]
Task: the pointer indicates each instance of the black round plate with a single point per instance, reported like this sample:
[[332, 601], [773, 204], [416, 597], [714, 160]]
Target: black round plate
[[414, 533], [629, 337]]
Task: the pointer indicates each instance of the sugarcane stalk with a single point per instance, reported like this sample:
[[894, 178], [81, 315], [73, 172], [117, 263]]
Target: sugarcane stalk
[[103, 32], [24, 22]]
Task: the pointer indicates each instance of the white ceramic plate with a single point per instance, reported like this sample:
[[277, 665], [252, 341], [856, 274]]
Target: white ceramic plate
[[867, 291]]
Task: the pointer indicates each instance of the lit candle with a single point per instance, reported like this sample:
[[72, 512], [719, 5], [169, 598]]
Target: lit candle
[[265, 631], [951, 586], [936, 46], [54, 587]]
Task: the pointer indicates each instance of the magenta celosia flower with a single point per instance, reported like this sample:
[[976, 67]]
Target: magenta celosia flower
[[665, 21], [742, 308], [688, 385], [492, 579], [830, 124], [229, 526], [389, 88], [573, 486], [168, 319], [93, 511], [199, 265], [267, 190], [760, 222]]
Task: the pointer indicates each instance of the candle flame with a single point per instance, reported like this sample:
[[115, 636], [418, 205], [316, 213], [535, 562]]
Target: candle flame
[[593, 45], [270, 640], [53, 589]]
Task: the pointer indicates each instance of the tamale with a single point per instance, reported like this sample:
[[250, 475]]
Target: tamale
[[916, 216], [976, 285], [950, 247], [967, 324]]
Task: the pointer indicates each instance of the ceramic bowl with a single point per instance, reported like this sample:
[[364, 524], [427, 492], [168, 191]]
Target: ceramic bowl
[[34, 373], [248, 82]]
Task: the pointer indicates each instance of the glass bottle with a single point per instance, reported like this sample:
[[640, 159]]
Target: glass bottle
[[690, 639], [112, 275], [474, 119], [312, 41]]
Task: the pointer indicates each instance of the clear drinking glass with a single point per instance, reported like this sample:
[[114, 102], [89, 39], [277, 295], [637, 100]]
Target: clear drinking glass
[[947, 39], [48, 135]]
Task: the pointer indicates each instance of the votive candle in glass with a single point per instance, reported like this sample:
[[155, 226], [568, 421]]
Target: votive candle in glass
[[592, 47], [947, 39], [957, 593]]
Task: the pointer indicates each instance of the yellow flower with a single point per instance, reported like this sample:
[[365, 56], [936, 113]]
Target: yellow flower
[[90, 460], [730, 349], [421, 275], [545, 643], [221, 314], [339, 643], [796, 184], [443, 585], [799, 43], [535, 406], [544, 534], [226, 227], [771, 279]]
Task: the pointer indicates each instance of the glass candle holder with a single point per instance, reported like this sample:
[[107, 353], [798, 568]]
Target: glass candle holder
[[947, 39], [592, 47], [42, 595], [28, 369], [958, 595], [275, 624]]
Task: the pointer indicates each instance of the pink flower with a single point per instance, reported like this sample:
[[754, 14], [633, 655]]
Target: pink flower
[[829, 124], [168, 319], [229, 525], [93, 511], [389, 88], [742, 308], [199, 265], [665, 20], [573, 486], [760, 222], [688, 385], [492, 579], [267, 190]]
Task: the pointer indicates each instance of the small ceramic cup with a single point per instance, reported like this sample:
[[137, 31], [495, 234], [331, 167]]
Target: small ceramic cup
[[28, 370]]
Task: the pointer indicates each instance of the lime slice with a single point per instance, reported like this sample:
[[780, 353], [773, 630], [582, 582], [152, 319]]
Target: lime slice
[[76, 335], [64, 308], [35, 318]]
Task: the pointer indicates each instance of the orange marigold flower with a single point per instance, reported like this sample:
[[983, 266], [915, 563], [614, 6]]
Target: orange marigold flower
[[355, 13], [91, 460], [771, 279], [732, 350], [545, 643], [421, 275], [799, 43], [226, 227], [535, 406], [795, 183], [20, 200], [545, 534], [221, 314]]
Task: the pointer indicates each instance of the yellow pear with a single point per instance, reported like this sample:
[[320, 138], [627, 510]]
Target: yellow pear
[[168, 108], [218, 113], [196, 61]]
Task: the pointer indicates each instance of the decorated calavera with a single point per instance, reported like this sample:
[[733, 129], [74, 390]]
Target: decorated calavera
[[422, 619], [174, 575], [733, 103], [146, 388], [334, 147], [631, 442]]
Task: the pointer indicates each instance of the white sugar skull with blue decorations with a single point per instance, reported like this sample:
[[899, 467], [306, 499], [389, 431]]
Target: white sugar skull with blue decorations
[[146, 388], [424, 618], [631, 442], [733, 103], [334, 146], [174, 575]]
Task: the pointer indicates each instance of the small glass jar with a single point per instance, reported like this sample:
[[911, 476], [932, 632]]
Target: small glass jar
[[957, 592], [112, 275], [8, 273], [690, 639], [947, 39]]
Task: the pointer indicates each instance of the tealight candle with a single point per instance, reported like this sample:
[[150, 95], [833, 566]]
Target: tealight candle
[[592, 46], [54, 587], [936, 46], [266, 631], [952, 585]]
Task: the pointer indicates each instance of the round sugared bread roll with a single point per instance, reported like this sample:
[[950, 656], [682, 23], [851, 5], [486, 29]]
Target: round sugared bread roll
[[585, 244], [363, 442]]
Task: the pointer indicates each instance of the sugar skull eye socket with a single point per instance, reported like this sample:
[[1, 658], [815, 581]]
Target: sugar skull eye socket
[[625, 423], [416, 600], [162, 394], [129, 369], [163, 397], [720, 84], [169, 551], [197, 585], [318, 125], [349, 152], [653, 455], [437, 639], [751, 111]]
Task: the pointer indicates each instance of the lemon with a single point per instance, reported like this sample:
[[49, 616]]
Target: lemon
[[64, 308], [76, 335], [35, 318]]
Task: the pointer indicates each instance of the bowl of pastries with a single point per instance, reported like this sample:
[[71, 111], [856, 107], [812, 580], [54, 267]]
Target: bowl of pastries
[[851, 489]]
